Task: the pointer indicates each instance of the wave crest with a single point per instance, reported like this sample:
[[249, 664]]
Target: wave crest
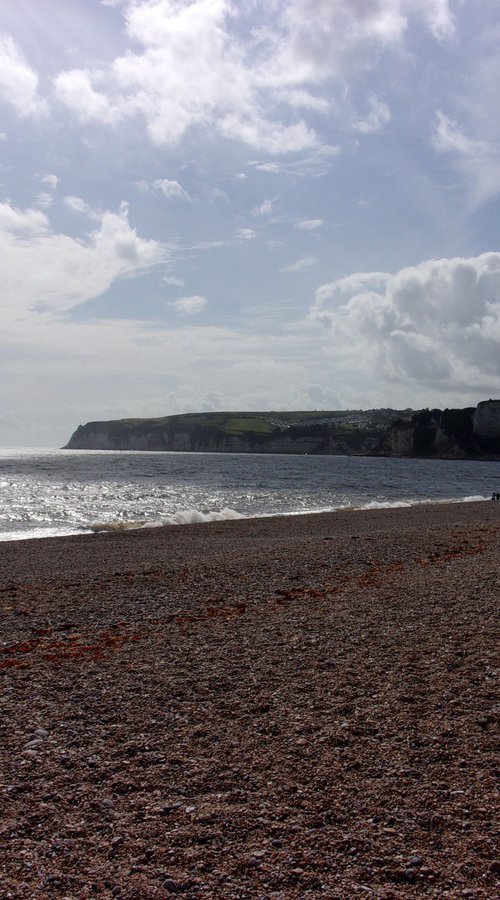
[[181, 517]]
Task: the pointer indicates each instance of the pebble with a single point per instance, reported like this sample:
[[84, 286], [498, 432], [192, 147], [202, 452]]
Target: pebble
[[414, 862], [409, 874], [167, 808], [107, 803], [171, 886]]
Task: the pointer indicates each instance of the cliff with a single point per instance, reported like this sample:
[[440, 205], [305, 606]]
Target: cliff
[[341, 432], [470, 433]]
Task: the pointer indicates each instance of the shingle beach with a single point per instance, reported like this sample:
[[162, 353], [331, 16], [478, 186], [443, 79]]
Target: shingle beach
[[291, 707]]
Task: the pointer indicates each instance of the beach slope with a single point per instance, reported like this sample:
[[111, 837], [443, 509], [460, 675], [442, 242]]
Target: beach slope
[[281, 708]]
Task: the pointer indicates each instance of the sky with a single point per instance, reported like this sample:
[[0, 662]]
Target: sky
[[266, 204]]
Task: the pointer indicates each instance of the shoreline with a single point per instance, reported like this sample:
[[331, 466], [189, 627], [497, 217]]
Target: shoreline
[[288, 707], [102, 527]]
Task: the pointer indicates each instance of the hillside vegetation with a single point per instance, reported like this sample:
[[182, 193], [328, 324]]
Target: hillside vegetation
[[473, 432]]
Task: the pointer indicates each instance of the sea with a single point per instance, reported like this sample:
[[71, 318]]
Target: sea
[[44, 493]]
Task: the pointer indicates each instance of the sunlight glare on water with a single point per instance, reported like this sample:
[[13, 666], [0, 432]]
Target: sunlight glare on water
[[66, 492]]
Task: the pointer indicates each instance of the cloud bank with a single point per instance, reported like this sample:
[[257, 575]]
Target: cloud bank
[[436, 324], [52, 272], [192, 67]]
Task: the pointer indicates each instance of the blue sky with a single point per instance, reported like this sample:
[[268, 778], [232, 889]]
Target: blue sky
[[289, 204]]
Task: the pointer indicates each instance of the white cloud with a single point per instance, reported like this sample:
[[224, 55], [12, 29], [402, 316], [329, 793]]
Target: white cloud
[[246, 234], [301, 264], [316, 165], [265, 208], [215, 194], [378, 116], [304, 99], [478, 161], [273, 137], [44, 200], [319, 397], [189, 306], [76, 90], [28, 221], [51, 272], [272, 168], [50, 180], [448, 136], [309, 224], [171, 188], [322, 39], [18, 82], [437, 15], [76, 204], [436, 324], [190, 66], [190, 71], [173, 279]]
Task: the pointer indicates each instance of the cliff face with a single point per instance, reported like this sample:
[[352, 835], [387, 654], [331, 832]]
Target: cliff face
[[448, 434], [114, 436], [486, 419]]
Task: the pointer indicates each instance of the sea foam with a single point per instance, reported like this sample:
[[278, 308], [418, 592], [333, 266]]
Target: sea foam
[[181, 517]]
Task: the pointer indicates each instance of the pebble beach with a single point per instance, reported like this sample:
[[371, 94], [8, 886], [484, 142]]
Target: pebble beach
[[289, 707]]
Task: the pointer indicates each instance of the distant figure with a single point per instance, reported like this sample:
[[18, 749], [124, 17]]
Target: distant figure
[[495, 495]]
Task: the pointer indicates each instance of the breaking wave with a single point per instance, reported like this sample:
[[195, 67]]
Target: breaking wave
[[386, 504], [182, 517]]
